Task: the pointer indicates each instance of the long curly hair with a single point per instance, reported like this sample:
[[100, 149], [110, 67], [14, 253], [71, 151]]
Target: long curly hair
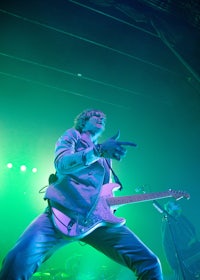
[[83, 117]]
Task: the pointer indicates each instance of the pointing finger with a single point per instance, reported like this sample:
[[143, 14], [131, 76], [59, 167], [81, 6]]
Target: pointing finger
[[127, 144]]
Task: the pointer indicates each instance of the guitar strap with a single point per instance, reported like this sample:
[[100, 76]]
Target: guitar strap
[[116, 178]]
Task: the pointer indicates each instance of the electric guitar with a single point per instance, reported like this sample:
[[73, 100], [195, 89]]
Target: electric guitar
[[102, 214]]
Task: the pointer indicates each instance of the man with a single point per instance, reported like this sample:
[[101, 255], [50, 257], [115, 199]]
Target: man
[[76, 207], [180, 243]]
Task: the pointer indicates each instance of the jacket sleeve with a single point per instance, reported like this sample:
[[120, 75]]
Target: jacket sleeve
[[67, 158]]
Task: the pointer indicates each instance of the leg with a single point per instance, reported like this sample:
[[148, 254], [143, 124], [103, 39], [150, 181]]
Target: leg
[[35, 245], [124, 247]]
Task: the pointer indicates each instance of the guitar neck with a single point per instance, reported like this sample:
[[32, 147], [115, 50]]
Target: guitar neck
[[137, 198]]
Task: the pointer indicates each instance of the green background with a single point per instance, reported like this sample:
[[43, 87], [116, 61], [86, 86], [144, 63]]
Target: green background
[[142, 86]]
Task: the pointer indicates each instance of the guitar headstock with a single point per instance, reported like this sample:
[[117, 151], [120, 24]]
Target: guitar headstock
[[179, 194]]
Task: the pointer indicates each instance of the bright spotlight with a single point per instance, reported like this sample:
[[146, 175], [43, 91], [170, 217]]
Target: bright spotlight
[[23, 168], [34, 170], [9, 165]]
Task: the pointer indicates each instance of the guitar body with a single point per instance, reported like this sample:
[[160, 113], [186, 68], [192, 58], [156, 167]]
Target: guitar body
[[102, 215], [77, 226]]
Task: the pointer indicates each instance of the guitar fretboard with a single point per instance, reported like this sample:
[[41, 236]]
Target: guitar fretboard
[[137, 198]]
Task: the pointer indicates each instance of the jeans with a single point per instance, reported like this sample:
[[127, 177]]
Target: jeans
[[41, 239]]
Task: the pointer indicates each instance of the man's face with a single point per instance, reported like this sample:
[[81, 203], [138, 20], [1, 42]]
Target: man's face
[[95, 125]]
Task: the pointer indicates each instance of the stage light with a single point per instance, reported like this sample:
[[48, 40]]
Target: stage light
[[20, 167], [23, 168], [34, 170], [9, 165]]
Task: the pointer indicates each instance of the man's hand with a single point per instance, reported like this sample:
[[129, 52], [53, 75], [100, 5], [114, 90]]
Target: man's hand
[[112, 148]]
